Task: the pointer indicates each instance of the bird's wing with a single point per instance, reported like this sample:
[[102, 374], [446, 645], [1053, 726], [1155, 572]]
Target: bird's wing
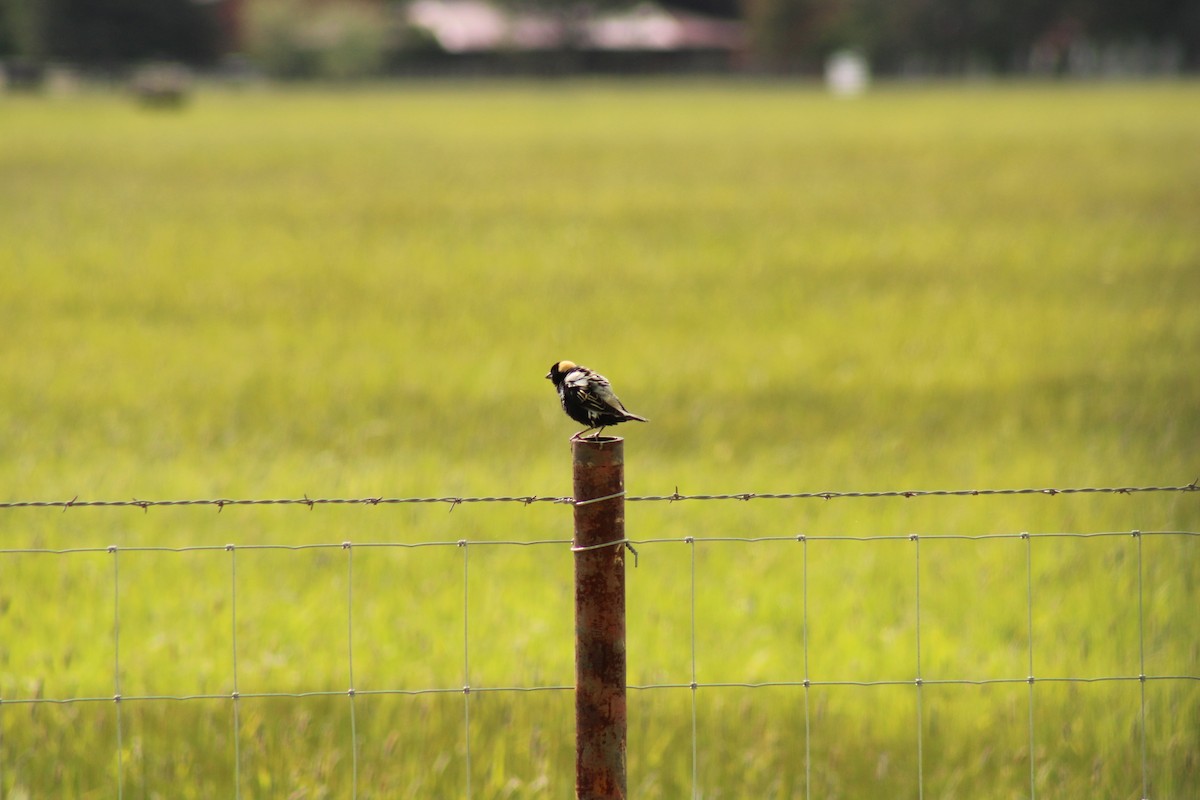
[[600, 396]]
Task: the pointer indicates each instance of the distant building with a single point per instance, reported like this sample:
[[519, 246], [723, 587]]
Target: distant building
[[482, 35], [479, 26]]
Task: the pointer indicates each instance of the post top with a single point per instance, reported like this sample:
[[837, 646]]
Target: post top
[[602, 451]]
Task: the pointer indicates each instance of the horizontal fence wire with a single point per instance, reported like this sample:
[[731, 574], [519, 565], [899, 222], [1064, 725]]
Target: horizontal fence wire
[[693, 685], [690, 541], [675, 497], [637, 687], [800, 537]]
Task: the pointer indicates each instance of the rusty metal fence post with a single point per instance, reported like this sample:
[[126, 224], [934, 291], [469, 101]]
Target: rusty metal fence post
[[600, 721]]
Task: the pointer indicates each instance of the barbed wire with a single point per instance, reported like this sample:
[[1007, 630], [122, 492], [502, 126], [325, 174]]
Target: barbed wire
[[675, 497]]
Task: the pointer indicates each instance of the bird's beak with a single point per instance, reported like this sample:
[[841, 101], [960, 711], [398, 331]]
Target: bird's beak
[[549, 375]]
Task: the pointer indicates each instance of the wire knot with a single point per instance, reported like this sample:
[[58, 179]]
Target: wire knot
[[599, 499], [575, 548]]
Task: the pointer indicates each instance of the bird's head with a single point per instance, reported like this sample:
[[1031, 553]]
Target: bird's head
[[558, 371]]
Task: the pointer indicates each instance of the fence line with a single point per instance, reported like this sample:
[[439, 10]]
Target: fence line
[[800, 538], [807, 683], [466, 544], [675, 497], [639, 687]]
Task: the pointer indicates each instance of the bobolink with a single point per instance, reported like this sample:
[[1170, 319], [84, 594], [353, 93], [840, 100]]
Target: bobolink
[[588, 398]]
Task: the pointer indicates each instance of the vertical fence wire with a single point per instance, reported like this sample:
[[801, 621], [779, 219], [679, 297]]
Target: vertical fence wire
[[916, 540], [695, 746], [117, 666], [1142, 662], [466, 664], [350, 667], [807, 686], [237, 722], [1029, 612]]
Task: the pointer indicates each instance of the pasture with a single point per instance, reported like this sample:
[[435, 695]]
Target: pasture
[[355, 293]]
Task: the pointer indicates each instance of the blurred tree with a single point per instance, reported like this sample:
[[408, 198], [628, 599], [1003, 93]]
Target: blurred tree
[[21, 29], [311, 38], [275, 39], [1176, 21], [956, 35], [797, 35], [352, 40], [111, 32], [990, 34]]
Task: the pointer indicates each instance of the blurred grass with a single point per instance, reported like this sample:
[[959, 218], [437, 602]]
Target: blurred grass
[[356, 294]]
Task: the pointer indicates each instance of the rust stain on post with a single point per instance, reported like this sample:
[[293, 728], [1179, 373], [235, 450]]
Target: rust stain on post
[[600, 720]]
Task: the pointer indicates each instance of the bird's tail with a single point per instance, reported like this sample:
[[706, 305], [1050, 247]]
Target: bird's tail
[[629, 416]]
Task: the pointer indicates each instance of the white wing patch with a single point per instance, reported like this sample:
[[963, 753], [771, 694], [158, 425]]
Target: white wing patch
[[576, 378]]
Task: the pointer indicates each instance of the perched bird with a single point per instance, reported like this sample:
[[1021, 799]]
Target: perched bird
[[588, 398]]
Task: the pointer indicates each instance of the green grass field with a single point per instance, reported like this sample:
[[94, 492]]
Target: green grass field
[[356, 293]]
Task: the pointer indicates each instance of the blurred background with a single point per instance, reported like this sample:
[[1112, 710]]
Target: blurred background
[[341, 39], [273, 249]]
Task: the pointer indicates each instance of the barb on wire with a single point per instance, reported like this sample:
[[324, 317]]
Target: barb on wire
[[221, 502]]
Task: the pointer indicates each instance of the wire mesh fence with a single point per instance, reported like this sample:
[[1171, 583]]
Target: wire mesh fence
[[807, 678]]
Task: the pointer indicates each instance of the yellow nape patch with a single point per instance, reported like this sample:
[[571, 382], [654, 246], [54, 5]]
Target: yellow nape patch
[[564, 366]]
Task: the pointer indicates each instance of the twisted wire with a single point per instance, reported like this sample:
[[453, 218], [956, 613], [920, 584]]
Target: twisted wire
[[675, 497]]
